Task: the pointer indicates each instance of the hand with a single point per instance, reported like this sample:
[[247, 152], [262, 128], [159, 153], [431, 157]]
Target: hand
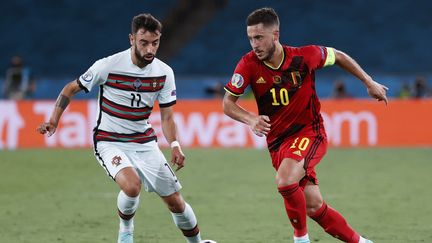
[[377, 91], [177, 157], [46, 127], [260, 125]]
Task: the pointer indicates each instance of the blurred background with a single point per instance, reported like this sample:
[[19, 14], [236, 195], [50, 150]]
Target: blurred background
[[376, 171], [203, 40]]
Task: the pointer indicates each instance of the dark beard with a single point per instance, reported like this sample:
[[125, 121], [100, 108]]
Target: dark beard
[[270, 54], [141, 60]]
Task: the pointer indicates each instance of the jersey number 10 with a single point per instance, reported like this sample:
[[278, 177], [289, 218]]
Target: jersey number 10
[[281, 98]]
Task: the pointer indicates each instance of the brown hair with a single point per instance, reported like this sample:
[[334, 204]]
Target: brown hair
[[146, 21], [266, 16]]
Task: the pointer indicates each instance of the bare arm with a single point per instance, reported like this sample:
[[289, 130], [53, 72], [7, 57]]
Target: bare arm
[[374, 89], [260, 125], [169, 130], [62, 102]]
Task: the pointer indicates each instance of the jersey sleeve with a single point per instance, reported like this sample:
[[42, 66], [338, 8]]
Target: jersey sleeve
[[96, 75], [318, 56], [168, 95], [240, 79]]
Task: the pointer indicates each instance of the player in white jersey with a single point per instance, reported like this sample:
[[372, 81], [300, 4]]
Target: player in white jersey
[[124, 142]]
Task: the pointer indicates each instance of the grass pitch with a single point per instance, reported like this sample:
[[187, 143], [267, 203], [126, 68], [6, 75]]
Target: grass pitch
[[65, 196]]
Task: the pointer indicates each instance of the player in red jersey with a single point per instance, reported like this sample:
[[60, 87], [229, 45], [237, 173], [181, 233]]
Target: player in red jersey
[[282, 79]]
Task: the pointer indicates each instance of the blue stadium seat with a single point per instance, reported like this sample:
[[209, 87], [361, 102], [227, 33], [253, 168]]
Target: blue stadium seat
[[63, 38]]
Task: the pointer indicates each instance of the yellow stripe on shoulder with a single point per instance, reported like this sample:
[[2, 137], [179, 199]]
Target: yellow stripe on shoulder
[[231, 93], [331, 57]]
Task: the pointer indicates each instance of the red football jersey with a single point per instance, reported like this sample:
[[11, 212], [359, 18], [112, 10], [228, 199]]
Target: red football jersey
[[285, 94]]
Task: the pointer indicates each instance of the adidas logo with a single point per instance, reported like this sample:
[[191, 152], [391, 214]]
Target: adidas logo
[[261, 81], [297, 153]]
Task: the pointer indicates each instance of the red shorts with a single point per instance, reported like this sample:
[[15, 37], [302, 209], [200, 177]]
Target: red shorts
[[306, 145]]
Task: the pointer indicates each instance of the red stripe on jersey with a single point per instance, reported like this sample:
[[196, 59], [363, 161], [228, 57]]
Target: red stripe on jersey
[[125, 108], [147, 136], [130, 117], [127, 78], [146, 133], [138, 84]]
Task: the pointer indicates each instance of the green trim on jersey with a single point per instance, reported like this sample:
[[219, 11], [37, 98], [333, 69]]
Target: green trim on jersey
[[331, 57], [231, 93]]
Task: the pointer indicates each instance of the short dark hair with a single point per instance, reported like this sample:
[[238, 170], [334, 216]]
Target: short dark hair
[[266, 16], [146, 21]]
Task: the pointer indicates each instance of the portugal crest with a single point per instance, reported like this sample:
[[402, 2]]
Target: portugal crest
[[154, 84], [116, 161]]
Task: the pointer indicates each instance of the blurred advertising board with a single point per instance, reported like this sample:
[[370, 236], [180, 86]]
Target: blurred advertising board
[[201, 123]]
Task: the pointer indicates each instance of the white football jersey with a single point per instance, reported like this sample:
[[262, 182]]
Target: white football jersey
[[126, 96]]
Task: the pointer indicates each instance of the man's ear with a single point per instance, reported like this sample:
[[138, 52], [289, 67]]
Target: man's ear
[[275, 35], [131, 39]]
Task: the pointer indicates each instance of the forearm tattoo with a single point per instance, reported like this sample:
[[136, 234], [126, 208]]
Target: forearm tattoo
[[62, 101]]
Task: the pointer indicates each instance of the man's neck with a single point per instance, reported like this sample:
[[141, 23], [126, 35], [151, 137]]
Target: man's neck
[[277, 58]]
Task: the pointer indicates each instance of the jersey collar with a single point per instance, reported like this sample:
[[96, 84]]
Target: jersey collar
[[280, 64]]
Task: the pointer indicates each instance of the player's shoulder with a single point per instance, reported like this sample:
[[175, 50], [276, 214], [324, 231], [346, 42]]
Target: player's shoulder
[[249, 59], [161, 65], [302, 47], [303, 50], [309, 48]]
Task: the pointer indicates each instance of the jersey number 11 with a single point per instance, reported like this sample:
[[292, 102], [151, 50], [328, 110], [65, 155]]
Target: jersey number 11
[[138, 97]]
